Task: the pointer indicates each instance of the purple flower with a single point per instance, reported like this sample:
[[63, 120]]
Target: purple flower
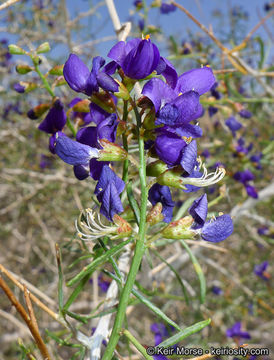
[[244, 176], [80, 79], [158, 193], [235, 331], [251, 191], [212, 110], [179, 106], [55, 119], [107, 190], [216, 290], [103, 283], [198, 211], [167, 8], [260, 270], [263, 230], [218, 229], [245, 114], [138, 58], [73, 152], [160, 333], [233, 125]]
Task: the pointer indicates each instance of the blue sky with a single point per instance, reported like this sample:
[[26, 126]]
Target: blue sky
[[176, 23]]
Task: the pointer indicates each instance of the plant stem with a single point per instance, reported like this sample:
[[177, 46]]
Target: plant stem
[[139, 249], [125, 144], [44, 80]]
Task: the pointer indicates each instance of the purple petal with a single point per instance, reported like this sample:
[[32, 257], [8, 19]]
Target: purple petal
[[158, 193], [251, 191], [55, 119], [96, 168], [199, 80], [106, 177], [107, 128], [97, 113], [141, 61], [81, 172], [169, 148], [189, 157], [73, 152], [189, 130], [107, 83], [158, 92], [111, 202], [166, 69], [218, 229], [76, 73], [198, 211], [88, 136]]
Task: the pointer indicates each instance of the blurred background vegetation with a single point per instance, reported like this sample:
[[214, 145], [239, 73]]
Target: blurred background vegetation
[[41, 198]]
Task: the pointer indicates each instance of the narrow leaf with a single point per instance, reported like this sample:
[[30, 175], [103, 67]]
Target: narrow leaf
[[184, 333], [198, 270], [154, 308]]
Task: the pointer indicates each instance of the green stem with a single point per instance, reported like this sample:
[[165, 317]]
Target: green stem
[[136, 343], [44, 80], [125, 144], [139, 249]]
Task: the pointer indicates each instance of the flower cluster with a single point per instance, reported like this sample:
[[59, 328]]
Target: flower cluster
[[167, 105]]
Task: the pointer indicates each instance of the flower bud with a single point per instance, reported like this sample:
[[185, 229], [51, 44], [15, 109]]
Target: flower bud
[[38, 111], [23, 69], [16, 50], [155, 215], [57, 70], [156, 168], [24, 87], [179, 229], [43, 48], [111, 152], [105, 101], [124, 229]]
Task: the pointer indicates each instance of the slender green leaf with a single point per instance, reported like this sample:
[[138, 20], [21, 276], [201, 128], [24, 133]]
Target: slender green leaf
[[88, 270], [138, 346], [198, 270], [262, 52], [184, 333], [76, 292], [154, 308]]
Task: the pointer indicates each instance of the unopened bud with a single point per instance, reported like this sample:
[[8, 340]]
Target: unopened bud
[[16, 50], [155, 215], [24, 87], [23, 69], [57, 70], [43, 48], [156, 168], [124, 229], [38, 111], [105, 101], [111, 152], [171, 178], [179, 229]]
